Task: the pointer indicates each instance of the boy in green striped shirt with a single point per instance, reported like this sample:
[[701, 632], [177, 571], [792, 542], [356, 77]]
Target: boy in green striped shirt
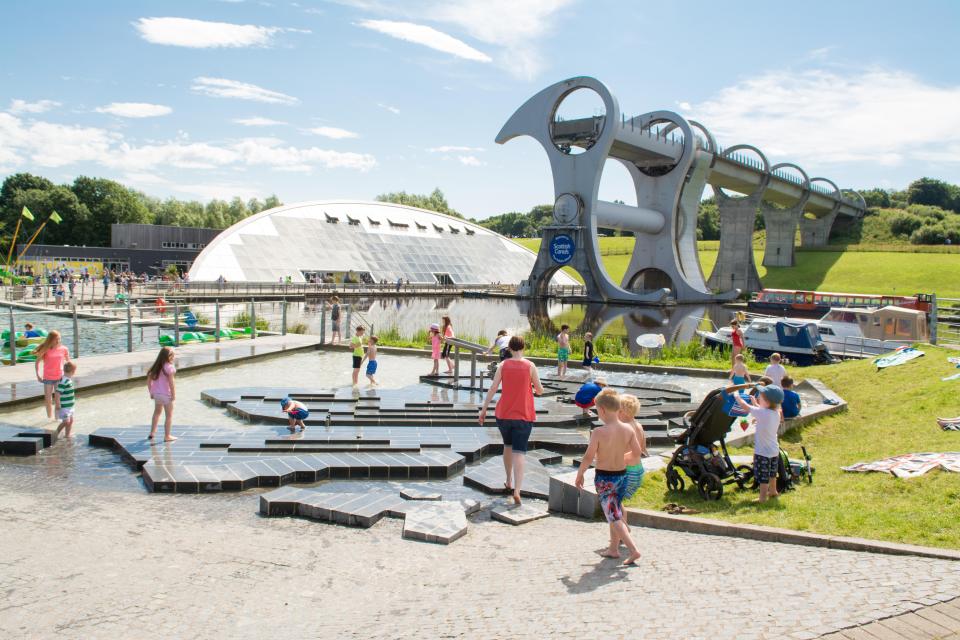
[[66, 398]]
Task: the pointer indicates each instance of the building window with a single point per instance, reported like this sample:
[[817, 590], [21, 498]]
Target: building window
[[438, 229], [375, 223], [470, 231], [353, 221], [331, 219], [400, 225], [421, 227]]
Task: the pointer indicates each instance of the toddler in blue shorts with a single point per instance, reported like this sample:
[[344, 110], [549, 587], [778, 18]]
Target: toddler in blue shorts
[[296, 412], [371, 358]]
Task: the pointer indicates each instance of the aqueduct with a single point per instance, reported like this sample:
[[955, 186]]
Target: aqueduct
[[670, 160]]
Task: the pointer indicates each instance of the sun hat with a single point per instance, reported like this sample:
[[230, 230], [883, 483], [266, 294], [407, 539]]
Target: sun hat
[[771, 392], [284, 402], [435, 327]]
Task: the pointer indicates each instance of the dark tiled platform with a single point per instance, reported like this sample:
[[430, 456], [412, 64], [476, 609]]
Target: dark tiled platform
[[18, 441], [440, 522], [490, 476], [210, 459], [387, 407], [518, 514]]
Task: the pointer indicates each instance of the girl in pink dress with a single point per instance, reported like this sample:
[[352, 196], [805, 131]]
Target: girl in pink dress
[[447, 333], [53, 355], [163, 391], [435, 348]]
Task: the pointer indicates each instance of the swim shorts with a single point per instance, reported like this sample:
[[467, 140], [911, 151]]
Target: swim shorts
[[634, 480], [585, 406], [371, 367], [610, 486], [764, 468], [563, 354], [52, 382], [299, 414], [65, 413], [515, 433], [356, 361], [446, 350]]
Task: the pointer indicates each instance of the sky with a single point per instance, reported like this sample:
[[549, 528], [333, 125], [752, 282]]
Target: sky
[[316, 99]]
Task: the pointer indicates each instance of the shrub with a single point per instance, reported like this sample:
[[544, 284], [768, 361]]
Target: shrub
[[927, 211], [297, 328], [242, 321], [904, 224], [929, 234]]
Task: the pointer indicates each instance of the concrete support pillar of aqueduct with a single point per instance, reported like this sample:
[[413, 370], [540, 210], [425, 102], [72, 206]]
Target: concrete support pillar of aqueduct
[[735, 267], [781, 224], [815, 232]]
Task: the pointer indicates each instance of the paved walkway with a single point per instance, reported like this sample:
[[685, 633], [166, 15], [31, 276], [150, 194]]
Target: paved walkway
[[19, 383], [937, 622]]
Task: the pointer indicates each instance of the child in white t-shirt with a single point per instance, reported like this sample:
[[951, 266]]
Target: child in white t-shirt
[[766, 447], [775, 371]]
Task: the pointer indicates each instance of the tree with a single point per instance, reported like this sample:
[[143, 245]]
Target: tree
[[436, 201], [876, 198], [930, 191], [108, 202], [43, 202], [708, 220]]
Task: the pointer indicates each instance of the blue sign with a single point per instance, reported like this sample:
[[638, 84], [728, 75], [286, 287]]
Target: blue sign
[[562, 248]]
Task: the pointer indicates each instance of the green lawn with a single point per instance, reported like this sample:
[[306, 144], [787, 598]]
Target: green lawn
[[847, 271], [890, 412]]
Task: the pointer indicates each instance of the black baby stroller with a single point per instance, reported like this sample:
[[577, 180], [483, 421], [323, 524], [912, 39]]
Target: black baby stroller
[[708, 466]]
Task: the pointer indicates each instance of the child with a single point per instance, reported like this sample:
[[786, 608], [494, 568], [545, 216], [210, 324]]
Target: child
[[371, 359], [563, 350], [610, 445], [30, 332], [588, 351], [766, 448], [500, 345], [629, 405], [587, 393], [66, 398], [163, 392], [739, 373], [447, 332], [335, 337], [296, 412], [774, 370], [791, 399], [356, 343], [53, 355], [435, 348]]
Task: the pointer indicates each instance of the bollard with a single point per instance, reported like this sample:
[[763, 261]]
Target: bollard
[[323, 322], [76, 332], [473, 369], [216, 315], [176, 325], [283, 318], [933, 318], [12, 337], [349, 321], [456, 364], [253, 320], [129, 328]]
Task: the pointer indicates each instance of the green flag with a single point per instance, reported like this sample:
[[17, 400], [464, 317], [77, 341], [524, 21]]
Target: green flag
[[55, 217], [26, 214]]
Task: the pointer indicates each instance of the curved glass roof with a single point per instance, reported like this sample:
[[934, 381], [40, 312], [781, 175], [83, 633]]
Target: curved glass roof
[[374, 240]]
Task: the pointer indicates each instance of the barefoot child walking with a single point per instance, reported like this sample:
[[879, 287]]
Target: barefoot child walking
[[611, 445], [371, 358], [435, 341], [739, 373], [563, 350], [66, 399], [629, 405], [163, 392], [356, 343], [52, 354]]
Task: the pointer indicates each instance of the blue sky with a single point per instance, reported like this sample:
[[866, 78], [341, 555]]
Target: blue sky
[[348, 99]]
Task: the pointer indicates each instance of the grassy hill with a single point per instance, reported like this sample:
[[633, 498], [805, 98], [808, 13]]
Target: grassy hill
[[855, 270]]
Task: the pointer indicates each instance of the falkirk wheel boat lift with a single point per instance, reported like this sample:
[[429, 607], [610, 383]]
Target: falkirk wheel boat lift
[[670, 166]]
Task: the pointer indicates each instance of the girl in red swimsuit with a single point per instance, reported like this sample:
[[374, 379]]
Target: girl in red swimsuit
[[737, 340]]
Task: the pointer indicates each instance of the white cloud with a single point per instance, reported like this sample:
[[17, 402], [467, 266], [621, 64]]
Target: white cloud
[[224, 88], [471, 161], [867, 116], [40, 106], [426, 36], [135, 109], [218, 191], [389, 108], [257, 121], [202, 34], [452, 148], [333, 132], [44, 144]]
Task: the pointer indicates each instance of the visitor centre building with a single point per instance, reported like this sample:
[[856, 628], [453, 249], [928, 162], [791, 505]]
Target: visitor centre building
[[366, 241]]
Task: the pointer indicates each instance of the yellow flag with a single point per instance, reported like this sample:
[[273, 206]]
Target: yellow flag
[[54, 217], [26, 214]]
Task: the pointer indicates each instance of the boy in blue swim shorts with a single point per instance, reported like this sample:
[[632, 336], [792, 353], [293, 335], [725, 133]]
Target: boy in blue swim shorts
[[371, 358], [612, 445], [296, 413]]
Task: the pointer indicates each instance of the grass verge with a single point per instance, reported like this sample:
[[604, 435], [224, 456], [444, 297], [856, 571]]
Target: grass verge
[[890, 412]]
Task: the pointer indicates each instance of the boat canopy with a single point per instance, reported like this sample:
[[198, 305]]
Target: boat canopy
[[801, 335]]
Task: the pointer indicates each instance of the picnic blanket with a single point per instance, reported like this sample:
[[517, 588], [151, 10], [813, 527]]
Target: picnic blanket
[[911, 465], [949, 424], [898, 357]]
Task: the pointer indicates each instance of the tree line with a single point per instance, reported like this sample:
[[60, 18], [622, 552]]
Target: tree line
[[88, 206]]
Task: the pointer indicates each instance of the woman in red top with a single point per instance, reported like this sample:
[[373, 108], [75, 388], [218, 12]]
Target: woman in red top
[[515, 412], [737, 340]]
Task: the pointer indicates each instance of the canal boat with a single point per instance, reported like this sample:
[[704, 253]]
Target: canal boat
[[796, 340], [817, 303], [850, 331]]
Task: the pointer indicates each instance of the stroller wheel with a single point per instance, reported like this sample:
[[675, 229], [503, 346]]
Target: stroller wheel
[[746, 481], [710, 487], [674, 480]]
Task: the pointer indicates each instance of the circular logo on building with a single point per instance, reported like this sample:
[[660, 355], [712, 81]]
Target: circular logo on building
[[566, 208], [562, 248]]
